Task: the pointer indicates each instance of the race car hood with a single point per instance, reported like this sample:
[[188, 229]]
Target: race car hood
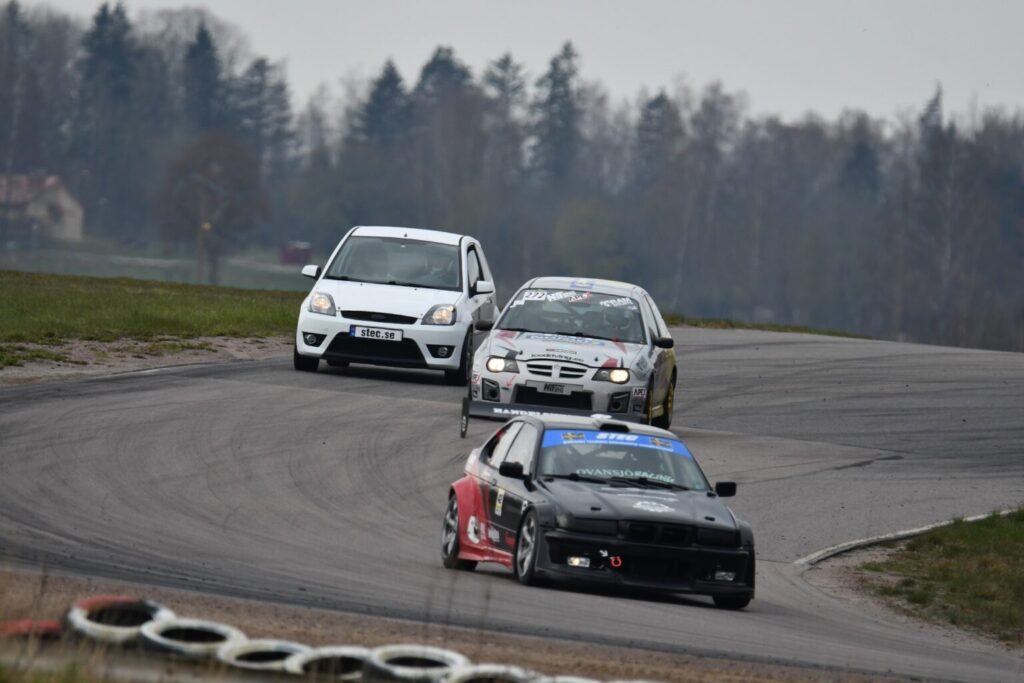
[[593, 501], [594, 353], [366, 296]]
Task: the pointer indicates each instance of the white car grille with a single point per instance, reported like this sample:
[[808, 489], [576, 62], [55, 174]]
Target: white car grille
[[556, 370]]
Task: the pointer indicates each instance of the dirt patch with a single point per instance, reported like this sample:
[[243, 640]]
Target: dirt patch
[[25, 595], [82, 358], [844, 577]]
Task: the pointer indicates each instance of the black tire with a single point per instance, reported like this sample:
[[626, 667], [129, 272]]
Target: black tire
[[664, 421], [460, 377], [450, 539], [524, 562], [732, 601], [304, 363]]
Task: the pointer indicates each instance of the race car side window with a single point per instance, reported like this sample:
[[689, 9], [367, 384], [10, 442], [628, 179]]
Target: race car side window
[[523, 447], [652, 319], [504, 441], [658, 320], [473, 266]]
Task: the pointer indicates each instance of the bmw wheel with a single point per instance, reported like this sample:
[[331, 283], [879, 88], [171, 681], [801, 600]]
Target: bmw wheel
[[527, 547], [450, 539]]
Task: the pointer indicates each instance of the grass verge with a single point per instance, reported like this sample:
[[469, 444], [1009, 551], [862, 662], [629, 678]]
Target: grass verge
[[964, 574], [726, 324], [49, 309]]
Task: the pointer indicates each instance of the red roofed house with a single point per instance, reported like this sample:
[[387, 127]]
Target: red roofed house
[[39, 204]]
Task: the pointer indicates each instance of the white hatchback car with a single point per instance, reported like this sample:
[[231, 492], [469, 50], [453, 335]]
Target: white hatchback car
[[402, 297]]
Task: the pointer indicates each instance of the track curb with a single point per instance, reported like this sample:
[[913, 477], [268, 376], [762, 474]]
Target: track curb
[[840, 548]]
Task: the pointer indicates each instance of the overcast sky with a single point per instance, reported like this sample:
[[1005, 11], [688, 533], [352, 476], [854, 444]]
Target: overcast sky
[[883, 56]]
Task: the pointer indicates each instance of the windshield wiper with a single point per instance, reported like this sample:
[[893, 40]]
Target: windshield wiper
[[400, 283], [343, 277], [513, 329], [572, 476], [644, 481], [587, 335]]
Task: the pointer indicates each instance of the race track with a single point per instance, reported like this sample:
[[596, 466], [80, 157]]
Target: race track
[[253, 480]]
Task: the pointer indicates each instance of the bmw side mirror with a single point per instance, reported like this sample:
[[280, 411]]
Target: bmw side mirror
[[664, 342], [513, 470], [725, 489], [311, 271], [483, 287], [483, 325]]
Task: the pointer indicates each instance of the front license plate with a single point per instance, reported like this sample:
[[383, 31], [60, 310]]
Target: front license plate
[[553, 388], [378, 333]]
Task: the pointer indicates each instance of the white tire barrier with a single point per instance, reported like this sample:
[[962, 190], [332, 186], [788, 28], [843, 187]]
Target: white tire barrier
[[566, 679], [411, 663], [259, 655], [339, 663], [489, 673], [189, 637], [114, 619]]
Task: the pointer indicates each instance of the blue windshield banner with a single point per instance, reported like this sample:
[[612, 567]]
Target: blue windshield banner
[[560, 437]]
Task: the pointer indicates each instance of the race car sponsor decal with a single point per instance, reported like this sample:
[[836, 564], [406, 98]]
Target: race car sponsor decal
[[473, 529], [564, 339], [548, 355], [493, 534], [582, 284], [579, 297], [607, 472], [499, 502], [621, 302], [651, 506], [572, 436], [554, 437], [639, 393]]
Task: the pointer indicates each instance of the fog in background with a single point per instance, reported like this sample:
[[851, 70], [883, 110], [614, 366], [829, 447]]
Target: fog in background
[[563, 138]]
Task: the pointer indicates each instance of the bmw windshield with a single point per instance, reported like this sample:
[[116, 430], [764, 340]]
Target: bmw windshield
[[615, 457], [573, 312], [397, 261]]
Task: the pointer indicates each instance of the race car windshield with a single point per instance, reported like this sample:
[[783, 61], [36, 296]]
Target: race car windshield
[[616, 457], [574, 312], [397, 261]]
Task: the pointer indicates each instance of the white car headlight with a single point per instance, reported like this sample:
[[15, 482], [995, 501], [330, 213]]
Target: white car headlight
[[322, 303], [614, 375], [442, 314], [499, 364]]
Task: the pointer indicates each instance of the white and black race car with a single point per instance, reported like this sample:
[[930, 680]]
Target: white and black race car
[[575, 346]]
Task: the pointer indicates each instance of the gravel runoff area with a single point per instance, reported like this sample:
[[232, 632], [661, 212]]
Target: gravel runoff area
[[33, 595], [95, 358]]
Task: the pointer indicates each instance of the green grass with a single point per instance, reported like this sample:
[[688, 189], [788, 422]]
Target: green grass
[[965, 574], [48, 309], [726, 324]]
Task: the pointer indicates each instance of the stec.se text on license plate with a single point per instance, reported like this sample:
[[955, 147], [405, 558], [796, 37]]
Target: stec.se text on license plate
[[378, 333]]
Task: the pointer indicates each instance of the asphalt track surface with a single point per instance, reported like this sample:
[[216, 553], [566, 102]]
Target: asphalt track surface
[[250, 479]]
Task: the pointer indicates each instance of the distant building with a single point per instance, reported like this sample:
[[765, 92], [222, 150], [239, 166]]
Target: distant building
[[36, 207]]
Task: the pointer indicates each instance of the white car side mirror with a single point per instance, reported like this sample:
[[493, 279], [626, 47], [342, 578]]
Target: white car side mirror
[[484, 287], [312, 271]]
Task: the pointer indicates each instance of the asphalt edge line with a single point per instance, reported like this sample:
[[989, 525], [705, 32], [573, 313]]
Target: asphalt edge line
[[840, 548]]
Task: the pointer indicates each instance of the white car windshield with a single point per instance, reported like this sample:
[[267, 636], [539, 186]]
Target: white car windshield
[[397, 261], [575, 312], [618, 457]]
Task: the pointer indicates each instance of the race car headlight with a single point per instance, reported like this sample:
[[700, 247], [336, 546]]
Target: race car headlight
[[442, 314], [614, 375], [321, 303], [498, 364]]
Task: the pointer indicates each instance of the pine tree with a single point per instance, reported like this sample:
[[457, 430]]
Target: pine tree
[[659, 138], [204, 104], [442, 76], [557, 118], [386, 115]]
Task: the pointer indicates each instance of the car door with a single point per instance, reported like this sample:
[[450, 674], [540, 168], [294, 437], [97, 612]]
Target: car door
[[482, 306], [508, 494], [490, 483]]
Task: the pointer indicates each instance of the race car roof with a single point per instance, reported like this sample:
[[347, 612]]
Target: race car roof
[[600, 424], [421, 234], [612, 287]]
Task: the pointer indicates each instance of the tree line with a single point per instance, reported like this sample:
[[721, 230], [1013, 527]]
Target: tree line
[[168, 131]]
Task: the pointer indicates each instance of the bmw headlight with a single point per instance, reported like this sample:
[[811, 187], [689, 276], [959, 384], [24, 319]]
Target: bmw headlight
[[442, 314], [499, 364], [322, 303], [614, 375]]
